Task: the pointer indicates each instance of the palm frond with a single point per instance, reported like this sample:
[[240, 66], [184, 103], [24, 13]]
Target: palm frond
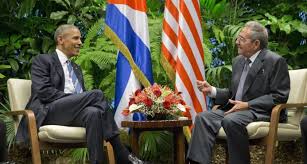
[[156, 146], [9, 122], [93, 32], [79, 155]]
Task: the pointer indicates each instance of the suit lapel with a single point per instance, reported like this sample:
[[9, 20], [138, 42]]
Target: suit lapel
[[59, 69], [256, 66], [57, 64]]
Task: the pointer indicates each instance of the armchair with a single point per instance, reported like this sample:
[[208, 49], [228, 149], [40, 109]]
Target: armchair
[[269, 133], [49, 136]]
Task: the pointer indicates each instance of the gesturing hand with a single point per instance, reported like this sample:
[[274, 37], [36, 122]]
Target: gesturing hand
[[238, 105], [204, 86]]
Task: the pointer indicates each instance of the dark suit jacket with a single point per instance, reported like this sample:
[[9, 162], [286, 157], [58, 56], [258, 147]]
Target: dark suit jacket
[[48, 84], [266, 85]]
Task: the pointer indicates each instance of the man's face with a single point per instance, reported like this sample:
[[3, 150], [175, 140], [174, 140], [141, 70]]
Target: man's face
[[246, 46], [70, 42]]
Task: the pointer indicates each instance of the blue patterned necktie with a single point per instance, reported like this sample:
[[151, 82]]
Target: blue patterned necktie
[[242, 80], [72, 75]]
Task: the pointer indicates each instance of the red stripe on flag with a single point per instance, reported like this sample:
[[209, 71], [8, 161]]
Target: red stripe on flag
[[188, 85], [168, 56], [196, 7], [192, 27], [139, 5], [189, 53], [172, 9], [170, 33]]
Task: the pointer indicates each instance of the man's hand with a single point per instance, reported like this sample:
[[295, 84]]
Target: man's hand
[[204, 86], [238, 105]]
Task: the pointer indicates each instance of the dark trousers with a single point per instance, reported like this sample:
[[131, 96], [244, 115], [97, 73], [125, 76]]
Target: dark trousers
[[3, 150], [89, 110], [304, 137], [206, 127]]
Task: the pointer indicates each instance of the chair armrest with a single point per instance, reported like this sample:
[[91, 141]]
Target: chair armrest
[[28, 114], [277, 109], [275, 117], [32, 128], [20, 112]]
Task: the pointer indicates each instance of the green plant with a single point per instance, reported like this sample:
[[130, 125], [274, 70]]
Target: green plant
[[97, 59], [9, 122], [156, 146]]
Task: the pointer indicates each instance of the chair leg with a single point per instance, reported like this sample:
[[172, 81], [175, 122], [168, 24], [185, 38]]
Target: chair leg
[[36, 156], [110, 153], [270, 151]]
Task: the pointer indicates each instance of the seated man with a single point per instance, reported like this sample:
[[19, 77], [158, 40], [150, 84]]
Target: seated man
[[59, 98], [260, 80]]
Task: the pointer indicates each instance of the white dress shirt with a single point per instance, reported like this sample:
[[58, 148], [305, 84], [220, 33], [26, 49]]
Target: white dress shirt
[[69, 86]]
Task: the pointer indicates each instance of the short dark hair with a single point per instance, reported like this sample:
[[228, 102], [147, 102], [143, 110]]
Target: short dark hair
[[258, 32], [61, 29]]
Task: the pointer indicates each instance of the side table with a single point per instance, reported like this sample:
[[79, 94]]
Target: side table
[[174, 126]]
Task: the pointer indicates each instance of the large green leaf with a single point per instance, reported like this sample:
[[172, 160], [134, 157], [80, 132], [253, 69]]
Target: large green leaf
[[79, 3], [5, 66], [71, 19], [64, 3], [14, 64], [26, 7], [58, 15], [2, 76]]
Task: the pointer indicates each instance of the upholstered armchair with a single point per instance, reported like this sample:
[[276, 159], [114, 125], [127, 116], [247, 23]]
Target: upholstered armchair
[[49, 136], [269, 133]]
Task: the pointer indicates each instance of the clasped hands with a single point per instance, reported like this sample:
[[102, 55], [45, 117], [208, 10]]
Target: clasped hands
[[205, 87]]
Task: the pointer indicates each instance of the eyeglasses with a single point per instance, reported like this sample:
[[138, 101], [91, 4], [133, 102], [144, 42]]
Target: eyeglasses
[[241, 39]]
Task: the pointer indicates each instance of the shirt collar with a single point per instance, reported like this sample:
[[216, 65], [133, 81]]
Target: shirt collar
[[62, 57], [253, 57]]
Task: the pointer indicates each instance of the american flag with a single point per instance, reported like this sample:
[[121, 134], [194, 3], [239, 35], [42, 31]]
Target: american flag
[[183, 52]]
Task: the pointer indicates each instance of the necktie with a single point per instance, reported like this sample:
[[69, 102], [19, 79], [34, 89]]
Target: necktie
[[242, 80], [77, 85]]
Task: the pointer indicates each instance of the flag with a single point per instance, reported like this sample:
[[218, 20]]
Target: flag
[[127, 26], [183, 55]]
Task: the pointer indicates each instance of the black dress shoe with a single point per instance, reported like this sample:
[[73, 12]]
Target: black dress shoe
[[135, 160]]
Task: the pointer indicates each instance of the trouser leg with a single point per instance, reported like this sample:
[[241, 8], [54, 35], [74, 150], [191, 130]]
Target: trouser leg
[[87, 110], [234, 125], [206, 126], [304, 137]]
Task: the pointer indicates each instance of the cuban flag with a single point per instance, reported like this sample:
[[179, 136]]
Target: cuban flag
[[127, 27]]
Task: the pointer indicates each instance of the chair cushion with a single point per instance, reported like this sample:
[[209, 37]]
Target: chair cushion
[[261, 129], [61, 134]]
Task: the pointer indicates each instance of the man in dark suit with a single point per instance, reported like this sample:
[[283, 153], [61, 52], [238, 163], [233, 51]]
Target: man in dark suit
[[260, 80], [59, 97]]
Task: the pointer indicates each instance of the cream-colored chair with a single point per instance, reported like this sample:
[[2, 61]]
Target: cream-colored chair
[[269, 133], [49, 136]]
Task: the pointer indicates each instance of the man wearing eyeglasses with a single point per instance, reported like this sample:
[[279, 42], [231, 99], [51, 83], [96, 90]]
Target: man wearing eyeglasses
[[260, 80]]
